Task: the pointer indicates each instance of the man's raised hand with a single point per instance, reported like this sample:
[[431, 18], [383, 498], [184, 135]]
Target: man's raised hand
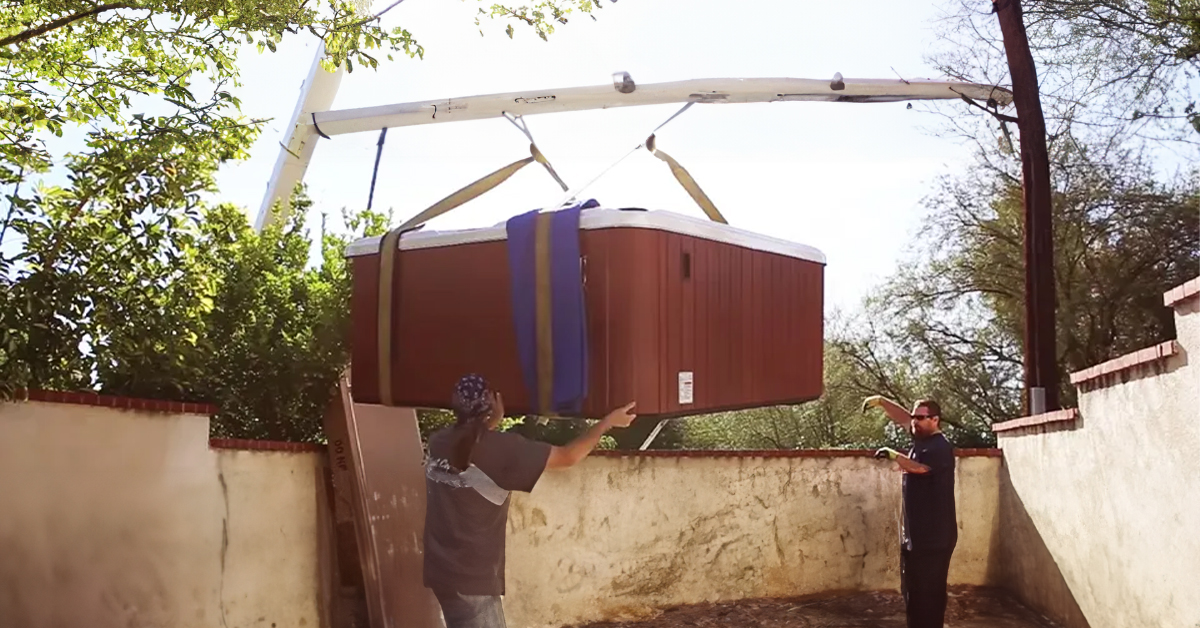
[[874, 401], [623, 416]]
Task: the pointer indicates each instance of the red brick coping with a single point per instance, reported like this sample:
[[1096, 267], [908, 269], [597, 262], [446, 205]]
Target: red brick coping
[[1068, 415], [771, 453], [268, 445], [176, 407], [264, 445], [1182, 292], [109, 401], [1126, 362], [1099, 375]]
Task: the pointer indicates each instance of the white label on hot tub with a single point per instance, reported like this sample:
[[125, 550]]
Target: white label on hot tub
[[685, 387]]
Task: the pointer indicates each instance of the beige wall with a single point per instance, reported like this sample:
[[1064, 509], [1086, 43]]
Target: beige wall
[[1027, 567], [1116, 499], [124, 518], [619, 536], [127, 518]]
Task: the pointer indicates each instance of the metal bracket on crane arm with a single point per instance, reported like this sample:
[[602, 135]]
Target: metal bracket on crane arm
[[317, 96]]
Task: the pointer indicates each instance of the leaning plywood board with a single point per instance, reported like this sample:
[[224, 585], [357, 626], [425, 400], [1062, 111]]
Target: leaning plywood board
[[350, 512], [378, 469], [393, 461]]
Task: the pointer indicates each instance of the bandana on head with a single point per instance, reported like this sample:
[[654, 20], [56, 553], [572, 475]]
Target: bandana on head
[[471, 401]]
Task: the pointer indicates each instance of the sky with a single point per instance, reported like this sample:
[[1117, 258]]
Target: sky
[[847, 179]]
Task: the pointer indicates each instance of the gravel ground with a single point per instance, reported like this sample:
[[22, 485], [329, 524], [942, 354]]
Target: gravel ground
[[968, 607]]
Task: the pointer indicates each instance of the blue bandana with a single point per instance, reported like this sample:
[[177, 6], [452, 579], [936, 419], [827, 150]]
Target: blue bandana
[[471, 401]]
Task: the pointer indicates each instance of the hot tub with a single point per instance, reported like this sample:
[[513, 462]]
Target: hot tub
[[683, 315]]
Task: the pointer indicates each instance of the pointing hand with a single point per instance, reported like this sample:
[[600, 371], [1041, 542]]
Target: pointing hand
[[623, 416]]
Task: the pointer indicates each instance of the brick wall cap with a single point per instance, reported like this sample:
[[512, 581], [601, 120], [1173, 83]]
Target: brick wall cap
[[1127, 362], [1182, 292], [91, 398], [1058, 416], [243, 444], [770, 453]]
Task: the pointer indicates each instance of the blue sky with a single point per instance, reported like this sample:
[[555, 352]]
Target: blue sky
[[845, 178]]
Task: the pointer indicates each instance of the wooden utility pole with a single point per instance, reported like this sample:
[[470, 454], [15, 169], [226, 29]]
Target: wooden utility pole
[[1041, 366]]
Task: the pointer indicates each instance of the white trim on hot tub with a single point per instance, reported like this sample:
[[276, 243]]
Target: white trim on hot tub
[[601, 218]]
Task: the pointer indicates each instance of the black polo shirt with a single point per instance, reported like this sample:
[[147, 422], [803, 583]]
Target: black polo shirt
[[929, 519]]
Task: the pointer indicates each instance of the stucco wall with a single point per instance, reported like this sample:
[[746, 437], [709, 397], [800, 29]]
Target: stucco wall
[[617, 536], [1114, 497], [128, 518], [1027, 567]]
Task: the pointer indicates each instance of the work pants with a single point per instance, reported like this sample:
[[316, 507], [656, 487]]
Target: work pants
[[923, 575]]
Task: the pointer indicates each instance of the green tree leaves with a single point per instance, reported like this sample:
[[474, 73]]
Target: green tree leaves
[[1121, 239], [540, 15], [178, 302], [122, 278], [77, 62]]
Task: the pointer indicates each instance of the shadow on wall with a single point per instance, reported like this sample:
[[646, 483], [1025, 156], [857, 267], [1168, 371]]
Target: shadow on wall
[[1024, 564]]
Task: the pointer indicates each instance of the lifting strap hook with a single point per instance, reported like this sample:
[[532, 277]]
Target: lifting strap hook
[[519, 122]]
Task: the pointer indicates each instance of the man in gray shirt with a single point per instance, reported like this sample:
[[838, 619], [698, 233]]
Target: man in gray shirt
[[468, 476]]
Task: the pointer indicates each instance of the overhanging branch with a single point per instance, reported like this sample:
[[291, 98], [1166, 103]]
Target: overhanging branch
[[995, 114], [26, 35]]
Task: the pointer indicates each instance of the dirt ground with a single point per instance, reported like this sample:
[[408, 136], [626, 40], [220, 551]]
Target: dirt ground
[[968, 607]]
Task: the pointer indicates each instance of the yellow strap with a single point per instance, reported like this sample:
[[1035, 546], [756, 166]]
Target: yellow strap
[[541, 159], [543, 314], [688, 183], [477, 188], [388, 252]]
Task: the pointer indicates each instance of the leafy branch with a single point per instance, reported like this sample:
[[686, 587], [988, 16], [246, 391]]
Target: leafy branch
[[66, 20]]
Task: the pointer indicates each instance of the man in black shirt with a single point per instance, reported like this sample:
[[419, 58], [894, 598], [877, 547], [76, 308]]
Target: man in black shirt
[[929, 530], [469, 473]]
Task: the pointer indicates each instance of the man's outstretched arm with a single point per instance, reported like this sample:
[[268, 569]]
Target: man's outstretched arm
[[570, 454]]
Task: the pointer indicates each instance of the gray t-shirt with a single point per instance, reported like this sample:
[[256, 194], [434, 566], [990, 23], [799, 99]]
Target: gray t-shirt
[[466, 514]]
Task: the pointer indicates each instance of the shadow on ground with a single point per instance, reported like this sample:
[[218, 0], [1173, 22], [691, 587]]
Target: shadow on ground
[[968, 607]]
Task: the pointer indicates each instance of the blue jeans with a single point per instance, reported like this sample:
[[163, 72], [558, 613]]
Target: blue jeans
[[471, 611]]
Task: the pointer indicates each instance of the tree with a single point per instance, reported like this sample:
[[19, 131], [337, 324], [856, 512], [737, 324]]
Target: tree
[[81, 62], [835, 421], [276, 337], [84, 62], [1117, 67], [186, 303], [112, 245], [121, 278], [1122, 239], [946, 356]]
